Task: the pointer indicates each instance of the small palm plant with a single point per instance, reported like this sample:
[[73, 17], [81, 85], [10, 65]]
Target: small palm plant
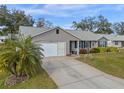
[[21, 57]]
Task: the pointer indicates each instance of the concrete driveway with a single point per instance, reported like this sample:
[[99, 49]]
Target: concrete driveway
[[69, 73]]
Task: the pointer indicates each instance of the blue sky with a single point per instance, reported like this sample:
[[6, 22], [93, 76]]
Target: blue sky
[[64, 14]]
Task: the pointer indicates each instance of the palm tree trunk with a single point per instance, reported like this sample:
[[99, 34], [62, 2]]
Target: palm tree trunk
[[14, 68]]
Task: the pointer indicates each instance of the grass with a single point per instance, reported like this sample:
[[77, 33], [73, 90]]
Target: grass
[[41, 81], [111, 63]]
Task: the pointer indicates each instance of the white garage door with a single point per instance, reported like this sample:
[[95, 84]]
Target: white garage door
[[54, 49]]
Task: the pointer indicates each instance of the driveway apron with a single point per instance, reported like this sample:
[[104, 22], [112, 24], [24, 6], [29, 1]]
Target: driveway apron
[[69, 73]]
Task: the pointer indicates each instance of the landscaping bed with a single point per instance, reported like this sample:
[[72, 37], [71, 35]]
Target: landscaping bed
[[41, 81]]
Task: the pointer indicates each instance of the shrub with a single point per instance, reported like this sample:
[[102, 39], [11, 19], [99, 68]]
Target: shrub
[[95, 50], [114, 49], [83, 51], [102, 49], [108, 49]]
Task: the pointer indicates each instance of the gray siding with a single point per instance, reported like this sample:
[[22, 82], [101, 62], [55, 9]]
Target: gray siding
[[51, 36], [119, 44]]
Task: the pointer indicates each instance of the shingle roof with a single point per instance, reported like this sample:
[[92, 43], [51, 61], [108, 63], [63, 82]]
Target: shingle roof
[[113, 37], [118, 38], [82, 35], [32, 31], [108, 36], [85, 35]]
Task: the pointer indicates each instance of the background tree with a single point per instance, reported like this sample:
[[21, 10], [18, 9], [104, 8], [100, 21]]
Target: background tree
[[103, 25], [12, 19], [19, 18], [4, 17], [119, 28], [44, 23], [100, 25], [86, 24]]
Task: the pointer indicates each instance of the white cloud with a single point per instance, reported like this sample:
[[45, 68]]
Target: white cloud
[[70, 10], [59, 10], [64, 6]]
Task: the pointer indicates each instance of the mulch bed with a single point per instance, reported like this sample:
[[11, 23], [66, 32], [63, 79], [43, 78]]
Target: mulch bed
[[13, 80]]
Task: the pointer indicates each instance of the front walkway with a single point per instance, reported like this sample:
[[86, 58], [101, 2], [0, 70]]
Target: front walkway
[[72, 74]]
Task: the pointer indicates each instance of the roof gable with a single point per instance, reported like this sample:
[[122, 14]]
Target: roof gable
[[103, 38], [62, 30], [33, 31]]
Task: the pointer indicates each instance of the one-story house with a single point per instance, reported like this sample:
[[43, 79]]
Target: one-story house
[[61, 42]]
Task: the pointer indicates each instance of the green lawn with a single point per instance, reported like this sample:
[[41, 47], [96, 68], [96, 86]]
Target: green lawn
[[41, 81], [111, 63]]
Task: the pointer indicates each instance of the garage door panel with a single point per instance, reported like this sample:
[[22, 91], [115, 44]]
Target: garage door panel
[[49, 49], [61, 49], [54, 49]]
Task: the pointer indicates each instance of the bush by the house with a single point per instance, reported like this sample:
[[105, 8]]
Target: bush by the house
[[114, 49], [83, 51], [95, 50], [102, 49], [108, 49]]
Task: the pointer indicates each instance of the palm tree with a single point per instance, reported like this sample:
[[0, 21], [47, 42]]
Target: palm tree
[[21, 57], [8, 56]]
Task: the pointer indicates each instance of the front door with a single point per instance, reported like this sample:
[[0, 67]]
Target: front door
[[73, 46]]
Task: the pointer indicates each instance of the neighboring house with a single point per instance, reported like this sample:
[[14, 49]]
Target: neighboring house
[[117, 41], [114, 40], [3, 38], [61, 42]]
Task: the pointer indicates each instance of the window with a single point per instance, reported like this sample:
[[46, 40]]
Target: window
[[75, 44], [102, 44], [57, 31], [116, 42], [86, 44], [81, 44]]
